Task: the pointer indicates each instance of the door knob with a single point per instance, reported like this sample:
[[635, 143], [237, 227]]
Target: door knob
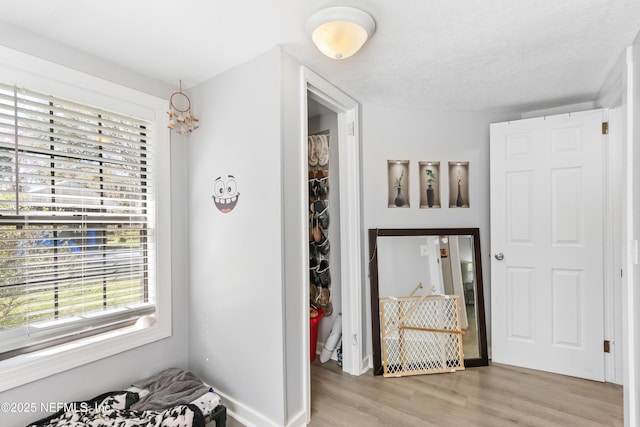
[[499, 256]]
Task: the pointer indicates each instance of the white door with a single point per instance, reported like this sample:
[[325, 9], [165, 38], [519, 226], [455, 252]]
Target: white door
[[546, 244]]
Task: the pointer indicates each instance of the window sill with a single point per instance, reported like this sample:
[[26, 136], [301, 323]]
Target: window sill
[[30, 367]]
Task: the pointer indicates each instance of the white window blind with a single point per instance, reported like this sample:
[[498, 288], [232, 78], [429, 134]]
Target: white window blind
[[77, 233]]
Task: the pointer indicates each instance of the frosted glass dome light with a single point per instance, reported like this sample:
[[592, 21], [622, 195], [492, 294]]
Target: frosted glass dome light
[[339, 32]]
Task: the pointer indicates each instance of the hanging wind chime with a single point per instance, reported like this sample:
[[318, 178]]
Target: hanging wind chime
[[180, 117]]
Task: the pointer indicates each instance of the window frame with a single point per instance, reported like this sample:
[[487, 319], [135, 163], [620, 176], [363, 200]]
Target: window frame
[[17, 68]]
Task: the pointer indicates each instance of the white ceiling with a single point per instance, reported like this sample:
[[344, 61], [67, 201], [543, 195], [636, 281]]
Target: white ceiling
[[482, 55]]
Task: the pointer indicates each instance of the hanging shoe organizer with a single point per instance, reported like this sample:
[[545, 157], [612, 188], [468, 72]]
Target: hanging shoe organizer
[[319, 269], [421, 335]]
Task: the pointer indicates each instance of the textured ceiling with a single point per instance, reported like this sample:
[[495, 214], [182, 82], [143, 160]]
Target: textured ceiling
[[483, 55]]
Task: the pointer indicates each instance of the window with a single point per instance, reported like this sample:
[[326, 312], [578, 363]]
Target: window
[[77, 220]]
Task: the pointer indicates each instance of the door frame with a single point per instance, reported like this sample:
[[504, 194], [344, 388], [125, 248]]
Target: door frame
[[351, 272], [613, 280]]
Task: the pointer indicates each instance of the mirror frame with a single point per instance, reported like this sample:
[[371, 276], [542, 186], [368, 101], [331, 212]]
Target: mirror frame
[[374, 233]]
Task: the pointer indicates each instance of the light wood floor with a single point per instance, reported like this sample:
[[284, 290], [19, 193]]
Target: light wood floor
[[496, 395], [492, 396]]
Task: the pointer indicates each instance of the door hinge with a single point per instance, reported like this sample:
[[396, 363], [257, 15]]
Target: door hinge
[[607, 346], [351, 129], [605, 128]]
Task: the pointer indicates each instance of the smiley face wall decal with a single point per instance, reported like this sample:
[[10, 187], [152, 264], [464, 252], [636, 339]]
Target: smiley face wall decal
[[225, 193]]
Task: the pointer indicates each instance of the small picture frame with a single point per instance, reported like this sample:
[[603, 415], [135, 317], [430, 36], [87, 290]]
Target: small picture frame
[[429, 184], [398, 183], [459, 184]]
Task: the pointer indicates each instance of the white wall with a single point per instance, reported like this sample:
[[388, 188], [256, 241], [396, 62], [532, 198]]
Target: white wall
[[427, 135], [296, 242], [118, 371], [240, 286]]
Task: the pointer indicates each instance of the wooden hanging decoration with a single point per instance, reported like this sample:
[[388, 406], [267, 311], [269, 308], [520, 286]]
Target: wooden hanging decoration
[[180, 117]]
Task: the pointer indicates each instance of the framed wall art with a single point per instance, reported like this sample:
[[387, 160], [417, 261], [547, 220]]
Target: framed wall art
[[429, 181], [458, 184], [398, 183]]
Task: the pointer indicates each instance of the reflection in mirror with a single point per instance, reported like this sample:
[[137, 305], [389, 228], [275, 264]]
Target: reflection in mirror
[[444, 261]]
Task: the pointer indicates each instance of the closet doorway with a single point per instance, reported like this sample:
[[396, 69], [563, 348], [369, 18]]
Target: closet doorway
[[330, 112], [324, 229]]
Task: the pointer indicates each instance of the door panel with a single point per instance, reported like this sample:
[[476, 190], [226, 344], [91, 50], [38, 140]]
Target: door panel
[[547, 222], [567, 287], [520, 283], [519, 186]]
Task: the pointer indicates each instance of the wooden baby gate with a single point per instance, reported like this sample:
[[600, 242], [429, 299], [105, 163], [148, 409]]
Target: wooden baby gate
[[421, 335]]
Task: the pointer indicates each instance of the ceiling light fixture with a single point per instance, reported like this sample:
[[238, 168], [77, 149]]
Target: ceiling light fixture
[[339, 32]]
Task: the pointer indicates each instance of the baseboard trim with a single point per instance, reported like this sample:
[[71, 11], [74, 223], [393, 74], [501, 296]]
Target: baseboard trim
[[299, 420], [245, 414]]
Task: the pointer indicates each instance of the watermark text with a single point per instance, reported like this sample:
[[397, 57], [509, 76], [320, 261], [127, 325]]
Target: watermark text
[[25, 407]]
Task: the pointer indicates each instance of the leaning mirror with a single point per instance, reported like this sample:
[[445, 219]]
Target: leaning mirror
[[445, 261]]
